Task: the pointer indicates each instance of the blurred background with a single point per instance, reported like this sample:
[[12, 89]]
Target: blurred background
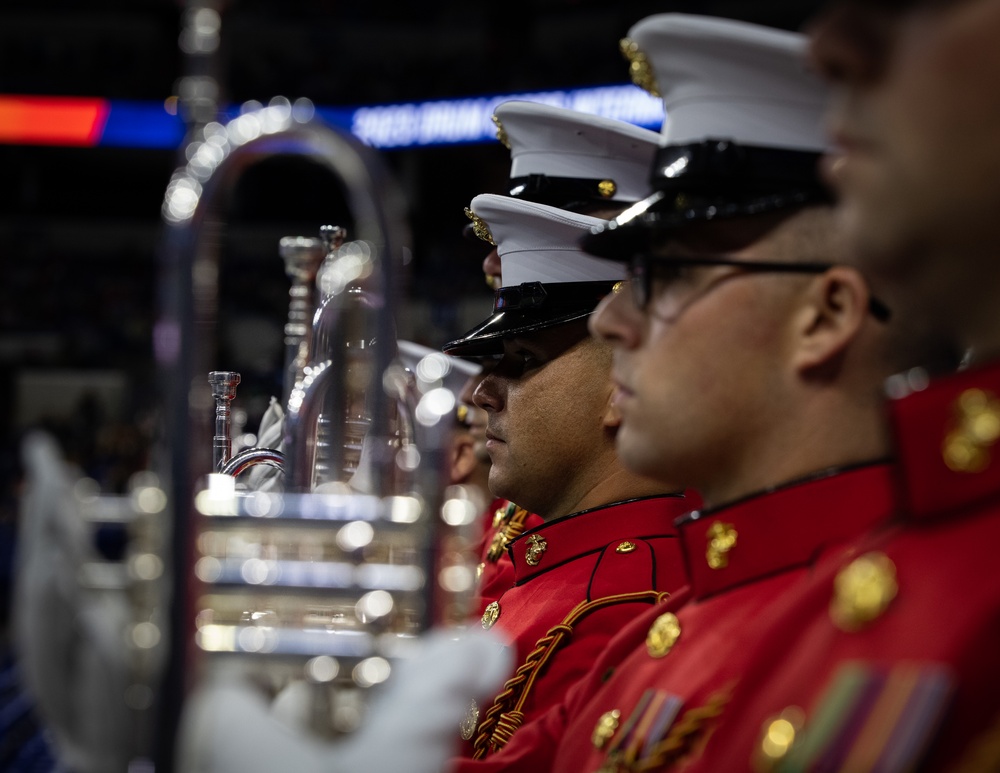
[[79, 225]]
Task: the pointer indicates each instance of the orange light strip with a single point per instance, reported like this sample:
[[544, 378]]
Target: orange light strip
[[52, 120]]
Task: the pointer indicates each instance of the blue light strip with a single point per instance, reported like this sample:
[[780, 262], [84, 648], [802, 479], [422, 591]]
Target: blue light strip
[[141, 125], [415, 124], [454, 121]]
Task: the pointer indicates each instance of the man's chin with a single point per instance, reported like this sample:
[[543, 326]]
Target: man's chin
[[498, 484], [634, 455]]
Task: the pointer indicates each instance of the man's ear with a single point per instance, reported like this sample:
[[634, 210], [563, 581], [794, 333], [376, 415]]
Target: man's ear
[[833, 315], [612, 417], [463, 457]]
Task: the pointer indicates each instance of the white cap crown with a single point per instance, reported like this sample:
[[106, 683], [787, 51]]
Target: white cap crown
[[728, 80], [562, 143], [539, 243]]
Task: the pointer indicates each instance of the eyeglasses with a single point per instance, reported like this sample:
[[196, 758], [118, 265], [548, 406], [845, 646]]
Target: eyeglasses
[[665, 281]]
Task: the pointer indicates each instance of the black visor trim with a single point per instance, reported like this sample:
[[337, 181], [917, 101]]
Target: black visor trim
[[711, 180], [719, 166], [561, 192], [549, 304]]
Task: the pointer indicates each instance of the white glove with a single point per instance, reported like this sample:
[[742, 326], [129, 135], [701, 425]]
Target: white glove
[[228, 727], [69, 640], [270, 434]]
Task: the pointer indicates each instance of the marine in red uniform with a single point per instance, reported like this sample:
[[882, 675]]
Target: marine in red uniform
[[748, 360], [606, 548], [502, 521], [581, 163], [659, 688], [888, 650], [889, 653]]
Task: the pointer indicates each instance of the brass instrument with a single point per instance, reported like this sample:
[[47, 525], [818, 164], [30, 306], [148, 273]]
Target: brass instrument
[[315, 592], [302, 258], [340, 328], [224, 385]]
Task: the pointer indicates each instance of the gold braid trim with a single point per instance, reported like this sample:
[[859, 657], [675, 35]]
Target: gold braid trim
[[506, 714], [508, 723]]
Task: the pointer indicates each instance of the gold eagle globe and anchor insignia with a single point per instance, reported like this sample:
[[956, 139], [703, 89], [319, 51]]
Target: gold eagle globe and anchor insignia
[[639, 68], [976, 429], [479, 227], [470, 721], [490, 614], [536, 547], [501, 132], [721, 539]]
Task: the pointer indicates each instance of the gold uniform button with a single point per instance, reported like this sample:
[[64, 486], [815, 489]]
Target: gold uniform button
[[721, 539], [777, 738], [607, 188], [605, 728], [470, 721], [625, 547], [863, 590], [491, 613], [663, 634], [966, 447], [535, 550]]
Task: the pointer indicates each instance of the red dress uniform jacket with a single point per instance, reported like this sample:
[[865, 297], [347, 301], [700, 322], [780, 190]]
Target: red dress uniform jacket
[[577, 581], [495, 573], [663, 681], [889, 658]]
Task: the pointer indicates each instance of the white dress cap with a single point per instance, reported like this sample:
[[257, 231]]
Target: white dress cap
[[728, 80], [539, 243], [558, 142]]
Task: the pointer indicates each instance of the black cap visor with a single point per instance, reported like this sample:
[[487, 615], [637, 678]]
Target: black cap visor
[[711, 180], [526, 308]]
